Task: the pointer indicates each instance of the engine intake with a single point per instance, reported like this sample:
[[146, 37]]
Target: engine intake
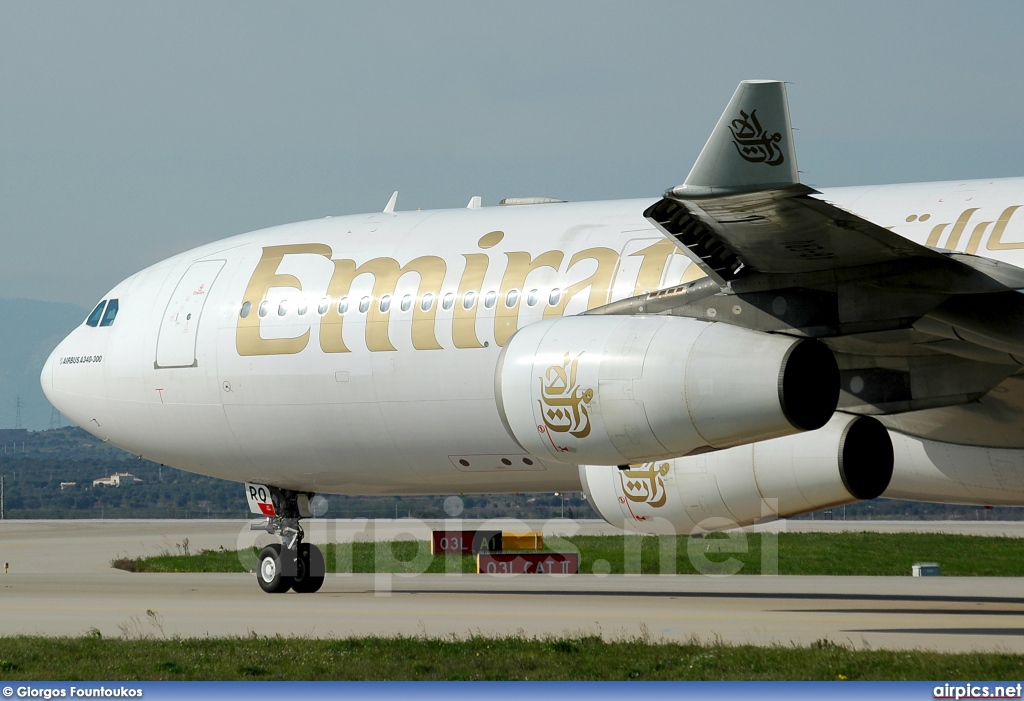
[[617, 390]]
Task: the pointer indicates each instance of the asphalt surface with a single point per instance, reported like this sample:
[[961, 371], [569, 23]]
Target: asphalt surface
[[60, 582]]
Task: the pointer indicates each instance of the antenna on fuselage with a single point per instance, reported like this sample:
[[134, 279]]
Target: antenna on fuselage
[[389, 208]]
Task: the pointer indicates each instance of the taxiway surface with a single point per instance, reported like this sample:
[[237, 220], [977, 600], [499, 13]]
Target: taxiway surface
[[61, 583]]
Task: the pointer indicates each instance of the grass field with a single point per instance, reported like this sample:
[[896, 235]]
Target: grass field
[[875, 554], [584, 658]]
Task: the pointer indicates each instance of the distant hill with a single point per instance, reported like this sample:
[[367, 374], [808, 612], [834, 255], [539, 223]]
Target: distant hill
[[30, 329]]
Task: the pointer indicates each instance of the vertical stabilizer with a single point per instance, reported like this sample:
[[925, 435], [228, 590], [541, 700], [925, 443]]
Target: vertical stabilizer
[[751, 147]]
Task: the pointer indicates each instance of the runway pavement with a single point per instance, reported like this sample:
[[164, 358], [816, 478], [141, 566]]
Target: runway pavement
[[60, 583]]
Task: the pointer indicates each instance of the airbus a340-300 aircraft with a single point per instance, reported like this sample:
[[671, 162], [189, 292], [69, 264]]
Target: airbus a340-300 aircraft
[[740, 349]]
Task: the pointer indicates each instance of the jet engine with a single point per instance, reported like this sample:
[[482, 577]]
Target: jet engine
[[622, 389], [927, 470], [849, 459]]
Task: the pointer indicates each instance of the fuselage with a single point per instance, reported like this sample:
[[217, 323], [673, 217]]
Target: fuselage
[[357, 354]]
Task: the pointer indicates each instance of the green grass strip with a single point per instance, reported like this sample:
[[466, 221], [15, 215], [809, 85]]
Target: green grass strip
[[511, 658], [845, 554]]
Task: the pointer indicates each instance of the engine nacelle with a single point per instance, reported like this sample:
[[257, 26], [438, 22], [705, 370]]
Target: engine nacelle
[[614, 390], [849, 459], [927, 470]]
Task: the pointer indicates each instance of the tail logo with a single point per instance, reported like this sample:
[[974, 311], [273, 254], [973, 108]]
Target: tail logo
[[753, 143]]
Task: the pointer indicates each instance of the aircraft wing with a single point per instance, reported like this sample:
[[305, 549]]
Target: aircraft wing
[[781, 260], [742, 211], [778, 231]]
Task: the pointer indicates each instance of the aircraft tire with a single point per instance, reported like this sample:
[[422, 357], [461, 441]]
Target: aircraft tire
[[269, 568], [310, 570]]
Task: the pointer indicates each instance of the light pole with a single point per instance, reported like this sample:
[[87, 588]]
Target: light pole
[[561, 499]]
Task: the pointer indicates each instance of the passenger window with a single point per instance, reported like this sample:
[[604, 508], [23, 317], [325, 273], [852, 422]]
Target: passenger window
[[110, 314], [263, 308], [325, 304], [469, 300], [511, 298], [385, 303], [303, 307], [282, 308], [343, 306], [406, 303], [427, 302], [97, 313], [534, 297], [555, 297], [364, 305], [448, 301], [490, 298], [244, 311]]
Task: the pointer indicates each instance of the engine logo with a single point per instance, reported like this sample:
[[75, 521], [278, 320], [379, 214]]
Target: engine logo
[[753, 143], [645, 484], [564, 405]]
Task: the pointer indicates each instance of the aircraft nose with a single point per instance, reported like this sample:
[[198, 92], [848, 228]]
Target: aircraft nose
[[46, 378], [66, 381], [72, 379]]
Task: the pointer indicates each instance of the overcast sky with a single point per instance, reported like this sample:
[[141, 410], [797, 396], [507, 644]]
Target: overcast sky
[[130, 131]]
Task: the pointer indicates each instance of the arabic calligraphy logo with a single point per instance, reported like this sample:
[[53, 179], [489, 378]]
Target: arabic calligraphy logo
[[646, 484], [753, 143], [563, 403]]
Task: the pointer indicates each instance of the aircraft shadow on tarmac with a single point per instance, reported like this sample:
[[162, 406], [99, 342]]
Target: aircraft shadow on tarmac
[[943, 631], [803, 596], [929, 611]]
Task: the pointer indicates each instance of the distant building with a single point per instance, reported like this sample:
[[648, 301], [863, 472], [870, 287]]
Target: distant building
[[117, 479], [67, 485]]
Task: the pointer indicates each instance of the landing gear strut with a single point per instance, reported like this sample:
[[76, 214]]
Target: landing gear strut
[[291, 564]]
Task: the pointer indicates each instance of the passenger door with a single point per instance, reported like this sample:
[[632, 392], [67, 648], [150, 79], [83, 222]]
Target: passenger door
[[176, 343]]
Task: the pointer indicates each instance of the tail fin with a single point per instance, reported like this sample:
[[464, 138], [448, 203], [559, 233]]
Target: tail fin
[[751, 147]]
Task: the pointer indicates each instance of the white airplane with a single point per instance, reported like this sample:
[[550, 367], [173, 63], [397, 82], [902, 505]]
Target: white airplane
[[740, 349]]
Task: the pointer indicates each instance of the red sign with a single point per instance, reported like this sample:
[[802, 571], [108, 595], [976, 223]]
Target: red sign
[[464, 542], [528, 563]]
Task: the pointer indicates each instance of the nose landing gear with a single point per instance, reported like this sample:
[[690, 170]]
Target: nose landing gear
[[306, 566], [291, 564]]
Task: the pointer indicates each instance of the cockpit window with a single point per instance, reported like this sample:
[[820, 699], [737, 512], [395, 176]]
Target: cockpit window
[[97, 313], [111, 313]]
